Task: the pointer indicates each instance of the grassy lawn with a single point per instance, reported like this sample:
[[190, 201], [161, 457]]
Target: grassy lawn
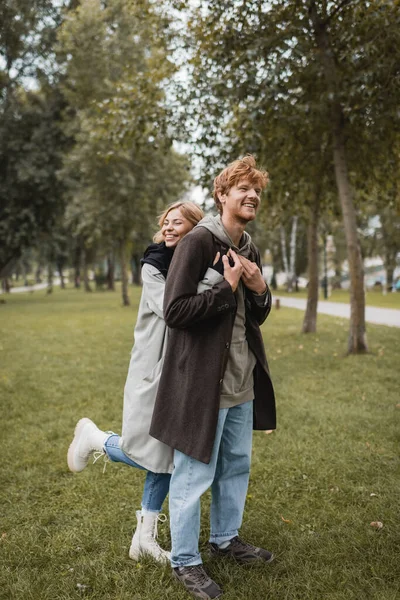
[[317, 483], [372, 297]]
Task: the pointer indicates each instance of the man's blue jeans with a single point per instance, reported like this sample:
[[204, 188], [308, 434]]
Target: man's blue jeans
[[227, 474], [156, 486]]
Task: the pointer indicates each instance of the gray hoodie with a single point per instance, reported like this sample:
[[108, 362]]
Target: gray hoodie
[[238, 383]]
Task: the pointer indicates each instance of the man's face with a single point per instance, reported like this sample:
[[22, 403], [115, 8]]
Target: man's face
[[241, 202]]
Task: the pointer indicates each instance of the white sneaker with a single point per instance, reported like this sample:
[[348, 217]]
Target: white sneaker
[[145, 536], [88, 438]]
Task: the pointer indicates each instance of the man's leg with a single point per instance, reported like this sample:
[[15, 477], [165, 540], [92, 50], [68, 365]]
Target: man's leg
[[229, 488], [190, 479]]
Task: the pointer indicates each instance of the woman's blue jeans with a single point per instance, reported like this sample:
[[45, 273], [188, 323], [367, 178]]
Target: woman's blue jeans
[[228, 476], [156, 485]]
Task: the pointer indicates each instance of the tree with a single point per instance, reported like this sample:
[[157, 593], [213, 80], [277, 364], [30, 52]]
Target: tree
[[122, 165], [309, 63], [31, 139]]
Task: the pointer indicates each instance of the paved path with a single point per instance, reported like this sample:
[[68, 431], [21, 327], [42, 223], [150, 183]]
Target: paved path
[[32, 288], [373, 314]]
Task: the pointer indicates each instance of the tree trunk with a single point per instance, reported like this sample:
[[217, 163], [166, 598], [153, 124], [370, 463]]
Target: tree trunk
[[389, 275], [50, 279], [38, 274], [77, 265], [61, 272], [124, 273], [135, 268], [5, 284], [292, 264], [310, 316], [357, 342], [85, 269], [285, 258], [110, 271]]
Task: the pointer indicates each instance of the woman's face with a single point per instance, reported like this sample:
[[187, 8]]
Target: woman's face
[[175, 227]]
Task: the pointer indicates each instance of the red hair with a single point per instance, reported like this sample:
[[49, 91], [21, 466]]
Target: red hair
[[243, 168]]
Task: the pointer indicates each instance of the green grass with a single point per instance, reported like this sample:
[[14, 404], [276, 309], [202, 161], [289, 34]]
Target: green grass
[[372, 297], [65, 356]]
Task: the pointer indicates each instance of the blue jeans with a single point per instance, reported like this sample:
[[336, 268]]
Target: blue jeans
[[227, 474], [156, 485]]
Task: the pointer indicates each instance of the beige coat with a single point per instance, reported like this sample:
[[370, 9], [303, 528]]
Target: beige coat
[[147, 357]]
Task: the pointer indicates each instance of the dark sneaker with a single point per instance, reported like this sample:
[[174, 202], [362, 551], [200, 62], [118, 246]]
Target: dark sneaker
[[242, 552], [197, 582]]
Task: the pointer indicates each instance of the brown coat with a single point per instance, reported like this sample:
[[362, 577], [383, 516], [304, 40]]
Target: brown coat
[[187, 404]]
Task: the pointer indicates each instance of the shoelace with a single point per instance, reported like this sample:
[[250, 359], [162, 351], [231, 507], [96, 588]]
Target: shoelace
[[162, 518], [99, 453], [198, 574], [241, 544]]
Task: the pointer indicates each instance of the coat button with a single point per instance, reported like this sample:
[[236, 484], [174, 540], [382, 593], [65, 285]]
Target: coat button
[[227, 345], [221, 381]]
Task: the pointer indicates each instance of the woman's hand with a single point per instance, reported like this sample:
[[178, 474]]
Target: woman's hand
[[234, 273], [216, 259]]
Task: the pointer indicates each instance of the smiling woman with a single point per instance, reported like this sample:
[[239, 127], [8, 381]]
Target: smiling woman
[[175, 226], [136, 447]]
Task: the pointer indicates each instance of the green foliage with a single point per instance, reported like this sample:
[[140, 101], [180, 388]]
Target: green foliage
[[31, 199], [122, 167]]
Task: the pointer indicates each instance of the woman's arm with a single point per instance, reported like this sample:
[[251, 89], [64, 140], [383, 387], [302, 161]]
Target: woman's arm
[[153, 288], [183, 307]]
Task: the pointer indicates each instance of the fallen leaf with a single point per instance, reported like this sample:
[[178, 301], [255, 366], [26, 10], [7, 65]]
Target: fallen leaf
[[279, 351], [397, 405], [301, 347], [286, 520], [268, 431], [3, 535], [376, 524], [368, 444], [373, 495]]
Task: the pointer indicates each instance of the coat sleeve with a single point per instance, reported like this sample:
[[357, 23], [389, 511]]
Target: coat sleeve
[[183, 306], [259, 306], [153, 288]]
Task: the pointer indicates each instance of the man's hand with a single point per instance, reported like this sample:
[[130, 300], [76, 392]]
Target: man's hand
[[232, 274], [251, 276]]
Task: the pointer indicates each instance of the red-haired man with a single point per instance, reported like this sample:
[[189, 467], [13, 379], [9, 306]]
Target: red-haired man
[[215, 385]]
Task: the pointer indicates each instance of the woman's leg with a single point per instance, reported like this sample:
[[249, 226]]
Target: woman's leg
[[114, 452], [144, 541]]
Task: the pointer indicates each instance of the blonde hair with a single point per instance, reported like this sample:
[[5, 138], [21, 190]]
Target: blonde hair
[[243, 168], [190, 210]]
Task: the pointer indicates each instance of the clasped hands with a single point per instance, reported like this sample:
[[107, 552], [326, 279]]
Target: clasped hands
[[243, 269]]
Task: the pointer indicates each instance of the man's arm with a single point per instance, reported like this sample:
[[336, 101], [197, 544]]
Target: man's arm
[[260, 296], [183, 307]]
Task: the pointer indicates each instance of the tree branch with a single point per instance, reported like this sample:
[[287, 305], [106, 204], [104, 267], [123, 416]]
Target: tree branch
[[337, 10]]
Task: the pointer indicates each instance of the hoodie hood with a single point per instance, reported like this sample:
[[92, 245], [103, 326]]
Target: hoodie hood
[[215, 226]]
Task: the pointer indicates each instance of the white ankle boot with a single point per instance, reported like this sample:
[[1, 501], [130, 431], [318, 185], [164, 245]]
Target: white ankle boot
[[88, 438], [145, 536]]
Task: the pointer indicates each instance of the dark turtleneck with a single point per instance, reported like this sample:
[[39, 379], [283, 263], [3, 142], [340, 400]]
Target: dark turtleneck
[[159, 256]]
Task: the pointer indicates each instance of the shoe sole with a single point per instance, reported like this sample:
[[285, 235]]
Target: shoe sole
[[136, 554], [202, 595], [71, 450]]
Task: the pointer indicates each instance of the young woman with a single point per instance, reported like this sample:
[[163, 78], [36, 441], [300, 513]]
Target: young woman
[[135, 447]]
